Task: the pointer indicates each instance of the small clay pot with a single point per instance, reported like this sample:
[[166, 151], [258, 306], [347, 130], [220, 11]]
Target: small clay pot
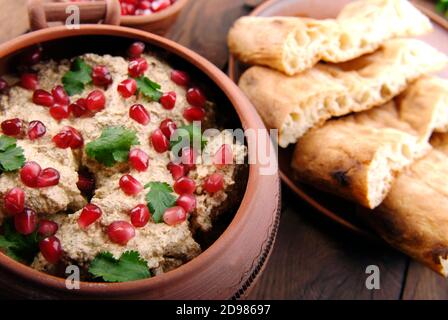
[[229, 266], [41, 12]]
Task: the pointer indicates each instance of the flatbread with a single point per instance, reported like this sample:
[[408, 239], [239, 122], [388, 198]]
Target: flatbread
[[358, 156], [292, 45], [295, 104], [414, 216]]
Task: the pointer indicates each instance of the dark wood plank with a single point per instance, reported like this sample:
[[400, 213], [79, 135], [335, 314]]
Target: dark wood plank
[[203, 27], [422, 283], [316, 259]]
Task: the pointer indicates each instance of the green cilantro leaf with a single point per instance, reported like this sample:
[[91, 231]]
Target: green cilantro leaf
[[129, 267], [79, 75], [159, 198], [112, 146], [11, 156], [17, 246], [188, 135], [148, 88]]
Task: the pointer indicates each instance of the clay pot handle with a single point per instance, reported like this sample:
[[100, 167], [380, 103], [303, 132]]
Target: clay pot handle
[[41, 12]]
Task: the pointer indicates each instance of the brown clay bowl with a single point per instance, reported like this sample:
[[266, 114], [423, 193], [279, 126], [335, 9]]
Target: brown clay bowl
[[159, 22], [225, 269]]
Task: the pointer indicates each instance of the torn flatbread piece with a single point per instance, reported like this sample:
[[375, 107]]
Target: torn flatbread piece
[[292, 45], [414, 216], [293, 105], [358, 156]]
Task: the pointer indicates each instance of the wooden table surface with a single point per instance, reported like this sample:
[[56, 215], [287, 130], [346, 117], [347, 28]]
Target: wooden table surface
[[313, 258]]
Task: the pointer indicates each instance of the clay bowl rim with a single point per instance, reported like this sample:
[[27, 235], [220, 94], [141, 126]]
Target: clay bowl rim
[[154, 17], [246, 114]]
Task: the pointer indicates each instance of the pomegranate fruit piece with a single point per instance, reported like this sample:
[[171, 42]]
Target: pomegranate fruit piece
[[25, 222], [47, 178], [96, 101], [29, 81], [196, 97], [130, 185], [188, 158], [12, 127], [136, 49], [174, 215], [32, 57], [79, 108], [127, 88], [168, 127], [214, 183], [184, 185], [60, 96], [47, 228], [176, 170], [138, 159], [140, 216], [85, 184], [224, 156], [89, 214], [194, 114], [168, 100], [51, 249], [36, 129], [43, 98], [187, 201], [14, 201], [29, 173], [137, 67], [180, 78], [159, 141], [139, 113], [60, 111], [101, 76], [120, 232]]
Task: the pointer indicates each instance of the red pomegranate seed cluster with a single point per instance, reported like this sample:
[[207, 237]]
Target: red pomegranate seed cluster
[[33, 176], [143, 7], [68, 137]]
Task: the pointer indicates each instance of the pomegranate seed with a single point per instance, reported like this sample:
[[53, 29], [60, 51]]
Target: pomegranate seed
[[168, 100], [137, 67], [43, 98], [144, 5], [194, 114], [120, 232], [134, 2], [180, 78], [29, 81], [14, 201], [4, 86], [138, 159], [47, 228], [36, 129], [60, 96], [174, 215], [177, 170], [136, 49], [12, 127], [47, 178], [184, 185], [127, 9], [187, 201], [51, 249], [29, 173], [130, 185], [139, 114], [159, 141], [25, 221], [96, 100], [85, 184], [159, 5], [77, 140], [68, 137], [101, 76], [196, 97], [127, 88], [79, 108], [140, 216], [89, 214], [32, 57], [188, 158], [168, 127], [223, 156], [60, 111], [214, 183]]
